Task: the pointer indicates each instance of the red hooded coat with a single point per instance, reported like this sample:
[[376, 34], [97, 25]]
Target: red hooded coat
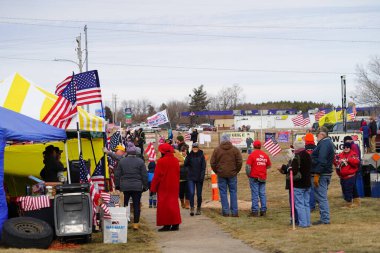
[[349, 170], [165, 183]]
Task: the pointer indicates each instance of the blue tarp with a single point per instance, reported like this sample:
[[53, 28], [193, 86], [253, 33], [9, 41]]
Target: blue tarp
[[18, 127]]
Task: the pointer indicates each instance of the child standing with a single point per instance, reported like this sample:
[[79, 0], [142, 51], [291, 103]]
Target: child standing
[[152, 195]]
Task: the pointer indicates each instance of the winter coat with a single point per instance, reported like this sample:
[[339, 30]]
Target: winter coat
[[51, 169], [196, 164], [131, 174], [366, 130], [194, 136], [373, 128], [165, 183], [323, 157], [302, 165], [346, 171], [259, 162], [226, 160]]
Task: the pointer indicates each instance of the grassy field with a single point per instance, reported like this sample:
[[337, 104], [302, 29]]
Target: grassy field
[[351, 230], [143, 240]]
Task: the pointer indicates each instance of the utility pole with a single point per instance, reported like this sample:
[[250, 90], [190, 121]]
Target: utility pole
[[114, 102], [344, 102], [79, 52], [85, 44]]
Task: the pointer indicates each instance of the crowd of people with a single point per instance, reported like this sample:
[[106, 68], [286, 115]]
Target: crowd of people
[[177, 177]]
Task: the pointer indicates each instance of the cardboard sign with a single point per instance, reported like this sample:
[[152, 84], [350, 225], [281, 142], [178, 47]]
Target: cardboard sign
[[337, 139], [238, 139], [115, 230]]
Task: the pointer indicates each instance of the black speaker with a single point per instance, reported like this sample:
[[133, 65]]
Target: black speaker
[[75, 170]]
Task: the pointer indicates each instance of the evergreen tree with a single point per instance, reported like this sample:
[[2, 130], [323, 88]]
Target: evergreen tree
[[199, 100]]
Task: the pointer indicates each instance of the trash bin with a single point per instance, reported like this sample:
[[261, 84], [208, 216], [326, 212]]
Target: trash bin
[[73, 210], [375, 184], [366, 180]]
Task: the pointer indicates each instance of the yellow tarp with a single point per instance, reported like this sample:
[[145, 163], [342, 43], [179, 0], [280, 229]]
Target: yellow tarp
[[25, 160], [21, 95]]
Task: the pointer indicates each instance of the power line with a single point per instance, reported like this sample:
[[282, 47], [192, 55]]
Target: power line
[[194, 68], [203, 25], [204, 35]]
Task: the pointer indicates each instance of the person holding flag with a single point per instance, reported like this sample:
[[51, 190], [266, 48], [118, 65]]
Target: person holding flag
[[257, 165]]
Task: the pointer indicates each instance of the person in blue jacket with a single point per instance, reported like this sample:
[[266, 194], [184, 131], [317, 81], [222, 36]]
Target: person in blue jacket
[[321, 170], [196, 164]]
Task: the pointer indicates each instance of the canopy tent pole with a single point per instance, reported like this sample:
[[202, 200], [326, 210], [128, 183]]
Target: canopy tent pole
[[67, 163], [79, 142]]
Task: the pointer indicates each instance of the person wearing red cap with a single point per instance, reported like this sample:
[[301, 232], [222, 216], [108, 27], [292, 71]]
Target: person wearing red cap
[[165, 184], [256, 168], [309, 147]]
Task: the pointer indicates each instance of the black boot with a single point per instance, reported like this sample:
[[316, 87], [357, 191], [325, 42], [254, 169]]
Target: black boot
[[175, 227], [164, 229]]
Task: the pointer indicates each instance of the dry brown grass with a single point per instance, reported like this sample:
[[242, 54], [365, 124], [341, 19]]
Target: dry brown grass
[[351, 230], [143, 240]]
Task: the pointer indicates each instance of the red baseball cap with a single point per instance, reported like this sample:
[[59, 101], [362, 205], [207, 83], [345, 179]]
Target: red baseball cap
[[257, 144]]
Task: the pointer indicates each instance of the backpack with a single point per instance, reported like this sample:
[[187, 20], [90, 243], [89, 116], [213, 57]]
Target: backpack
[[297, 176]]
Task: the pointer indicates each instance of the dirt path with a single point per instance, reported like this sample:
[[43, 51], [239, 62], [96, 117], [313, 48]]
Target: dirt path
[[196, 234]]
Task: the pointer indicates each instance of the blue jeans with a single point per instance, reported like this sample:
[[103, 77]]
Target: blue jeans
[[257, 191], [320, 194], [295, 211], [312, 197], [301, 200], [191, 187], [231, 183]]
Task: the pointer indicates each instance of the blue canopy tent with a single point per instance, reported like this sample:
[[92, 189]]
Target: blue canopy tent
[[18, 127]]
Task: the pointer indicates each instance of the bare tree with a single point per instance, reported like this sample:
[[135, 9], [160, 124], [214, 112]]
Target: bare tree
[[368, 89], [228, 98], [174, 108], [140, 109]]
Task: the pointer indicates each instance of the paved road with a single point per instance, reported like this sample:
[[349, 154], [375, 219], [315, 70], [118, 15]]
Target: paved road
[[196, 234]]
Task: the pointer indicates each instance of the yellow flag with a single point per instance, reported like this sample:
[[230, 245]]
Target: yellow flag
[[330, 117]]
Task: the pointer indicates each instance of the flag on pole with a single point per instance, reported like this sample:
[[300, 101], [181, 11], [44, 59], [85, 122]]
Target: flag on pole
[[301, 119], [272, 147], [115, 140], [319, 115], [62, 85], [87, 87], [111, 167], [85, 178], [158, 118], [151, 152], [64, 108], [98, 176], [351, 111], [187, 137]]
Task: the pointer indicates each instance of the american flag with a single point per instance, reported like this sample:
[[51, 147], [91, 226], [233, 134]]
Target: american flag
[[115, 140], [62, 85], [88, 88], [85, 178], [187, 137], [87, 85], [352, 112], [30, 203], [319, 114], [64, 109], [301, 119], [111, 166], [151, 152], [106, 196], [272, 147], [98, 176]]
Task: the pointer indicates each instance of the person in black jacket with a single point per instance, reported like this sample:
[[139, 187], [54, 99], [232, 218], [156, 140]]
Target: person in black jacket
[[373, 131], [52, 166], [196, 164], [301, 165], [131, 177], [194, 136]]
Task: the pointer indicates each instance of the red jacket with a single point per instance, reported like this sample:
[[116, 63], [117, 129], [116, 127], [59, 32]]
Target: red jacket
[[165, 183], [349, 170], [259, 162]]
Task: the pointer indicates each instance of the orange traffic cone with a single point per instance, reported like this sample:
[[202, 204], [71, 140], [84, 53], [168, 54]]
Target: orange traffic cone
[[214, 186]]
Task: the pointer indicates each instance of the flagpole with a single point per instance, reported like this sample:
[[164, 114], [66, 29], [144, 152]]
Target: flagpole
[[67, 163]]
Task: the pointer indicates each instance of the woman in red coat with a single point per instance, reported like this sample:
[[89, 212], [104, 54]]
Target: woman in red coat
[[165, 183]]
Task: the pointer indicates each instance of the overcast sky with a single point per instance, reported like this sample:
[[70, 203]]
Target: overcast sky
[[162, 49]]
